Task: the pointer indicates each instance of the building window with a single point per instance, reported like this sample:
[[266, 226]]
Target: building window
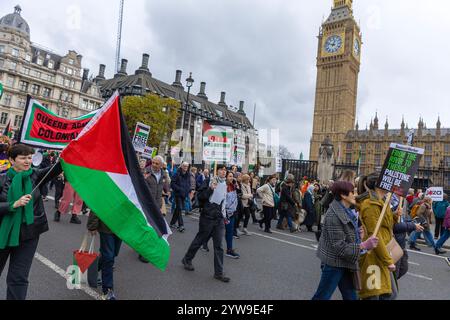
[[26, 71], [2, 49], [348, 158], [35, 89], [8, 99], [428, 161], [15, 52], [23, 86], [22, 102], [447, 148], [349, 146], [71, 61], [28, 57], [378, 147], [84, 104], [2, 63], [377, 160], [18, 121], [363, 147], [51, 64], [46, 93], [69, 71], [40, 61], [447, 162], [10, 81], [13, 66], [4, 118], [428, 147], [66, 82], [363, 158]]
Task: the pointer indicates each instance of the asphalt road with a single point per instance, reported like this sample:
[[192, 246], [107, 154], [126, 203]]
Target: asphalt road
[[281, 266]]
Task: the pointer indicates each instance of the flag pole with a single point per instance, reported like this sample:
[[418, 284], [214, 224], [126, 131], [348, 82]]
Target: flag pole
[[48, 173]]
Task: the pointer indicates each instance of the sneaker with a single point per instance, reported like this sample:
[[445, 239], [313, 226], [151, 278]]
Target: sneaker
[[232, 254], [448, 261], [142, 259], [75, 219], [439, 251], [268, 231], [57, 216], [187, 265], [245, 232], [222, 278], [236, 237], [204, 249], [239, 233], [414, 247], [181, 229], [109, 295], [173, 226], [44, 199]]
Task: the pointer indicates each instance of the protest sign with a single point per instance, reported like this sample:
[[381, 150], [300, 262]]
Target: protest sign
[[140, 138], [43, 129], [400, 167], [217, 144], [435, 193]]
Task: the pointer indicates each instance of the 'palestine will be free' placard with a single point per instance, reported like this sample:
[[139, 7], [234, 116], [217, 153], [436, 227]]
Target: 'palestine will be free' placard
[[400, 167]]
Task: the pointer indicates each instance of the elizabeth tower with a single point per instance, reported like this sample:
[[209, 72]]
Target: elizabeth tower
[[338, 62]]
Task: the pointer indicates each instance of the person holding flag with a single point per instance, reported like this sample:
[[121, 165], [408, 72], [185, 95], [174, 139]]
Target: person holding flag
[[22, 217]]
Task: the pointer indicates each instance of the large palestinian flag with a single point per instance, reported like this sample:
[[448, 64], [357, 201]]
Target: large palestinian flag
[[102, 166]]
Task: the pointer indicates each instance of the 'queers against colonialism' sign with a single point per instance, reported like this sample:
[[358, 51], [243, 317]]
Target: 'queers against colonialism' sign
[[43, 129], [400, 167]]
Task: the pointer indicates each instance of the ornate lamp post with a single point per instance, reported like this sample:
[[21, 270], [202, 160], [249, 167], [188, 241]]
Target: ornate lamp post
[[189, 84]]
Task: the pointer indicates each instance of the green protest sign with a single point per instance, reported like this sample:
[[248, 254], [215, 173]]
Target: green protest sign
[[400, 167]]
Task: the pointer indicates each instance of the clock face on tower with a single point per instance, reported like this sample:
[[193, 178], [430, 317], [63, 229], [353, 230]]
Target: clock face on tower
[[357, 47], [333, 44]]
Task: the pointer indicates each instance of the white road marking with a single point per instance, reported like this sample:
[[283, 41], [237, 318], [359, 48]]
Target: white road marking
[[413, 263], [51, 198], [427, 254], [63, 274], [419, 276]]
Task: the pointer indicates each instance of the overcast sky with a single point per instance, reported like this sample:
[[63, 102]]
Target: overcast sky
[[263, 52]]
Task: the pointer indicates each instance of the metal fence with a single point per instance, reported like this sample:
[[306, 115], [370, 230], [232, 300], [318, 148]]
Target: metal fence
[[300, 169]]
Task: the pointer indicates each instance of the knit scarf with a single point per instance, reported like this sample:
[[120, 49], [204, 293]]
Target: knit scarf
[[10, 226]]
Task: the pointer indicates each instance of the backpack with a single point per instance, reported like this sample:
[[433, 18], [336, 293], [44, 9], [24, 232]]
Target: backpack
[[414, 211]]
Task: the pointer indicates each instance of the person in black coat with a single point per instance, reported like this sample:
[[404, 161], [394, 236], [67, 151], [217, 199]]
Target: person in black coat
[[308, 205], [19, 243], [287, 204], [181, 186]]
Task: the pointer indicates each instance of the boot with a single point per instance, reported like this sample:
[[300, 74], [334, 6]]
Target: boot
[[75, 219], [57, 216]]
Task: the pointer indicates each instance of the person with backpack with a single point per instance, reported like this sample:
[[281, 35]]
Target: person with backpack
[[446, 234], [287, 204], [268, 195], [439, 209]]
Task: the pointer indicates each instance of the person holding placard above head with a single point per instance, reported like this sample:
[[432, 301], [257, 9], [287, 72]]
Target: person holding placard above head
[[377, 266]]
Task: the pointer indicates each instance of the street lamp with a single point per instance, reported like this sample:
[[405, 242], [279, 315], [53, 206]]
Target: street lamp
[[189, 84]]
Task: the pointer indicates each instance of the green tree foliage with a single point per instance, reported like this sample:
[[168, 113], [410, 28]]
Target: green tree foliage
[[159, 113]]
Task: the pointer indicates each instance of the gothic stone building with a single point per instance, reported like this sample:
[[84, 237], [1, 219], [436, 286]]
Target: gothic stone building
[[338, 64], [58, 82]]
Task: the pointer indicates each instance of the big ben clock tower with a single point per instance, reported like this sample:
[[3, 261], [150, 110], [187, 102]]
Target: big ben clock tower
[[338, 62]]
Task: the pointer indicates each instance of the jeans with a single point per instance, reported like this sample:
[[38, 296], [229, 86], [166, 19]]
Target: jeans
[[244, 215], [333, 278], [229, 232], [187, 204], [177, 216], [207, 229], [426, 233], [285, 214], [444, 237], [109, 250], [20, 260]]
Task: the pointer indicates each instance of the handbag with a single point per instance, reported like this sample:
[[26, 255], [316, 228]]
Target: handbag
[[356, 278], [394, 249], [276, 198], [87, 262]]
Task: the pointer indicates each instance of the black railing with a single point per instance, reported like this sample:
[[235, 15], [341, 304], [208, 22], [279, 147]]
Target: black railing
[[300, 169]]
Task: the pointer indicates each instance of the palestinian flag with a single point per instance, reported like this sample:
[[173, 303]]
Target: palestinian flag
[[8, 130], [1, 90], [102, 167]]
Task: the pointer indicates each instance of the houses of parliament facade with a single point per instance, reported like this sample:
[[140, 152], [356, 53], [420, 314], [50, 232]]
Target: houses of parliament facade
[[335, 125]]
